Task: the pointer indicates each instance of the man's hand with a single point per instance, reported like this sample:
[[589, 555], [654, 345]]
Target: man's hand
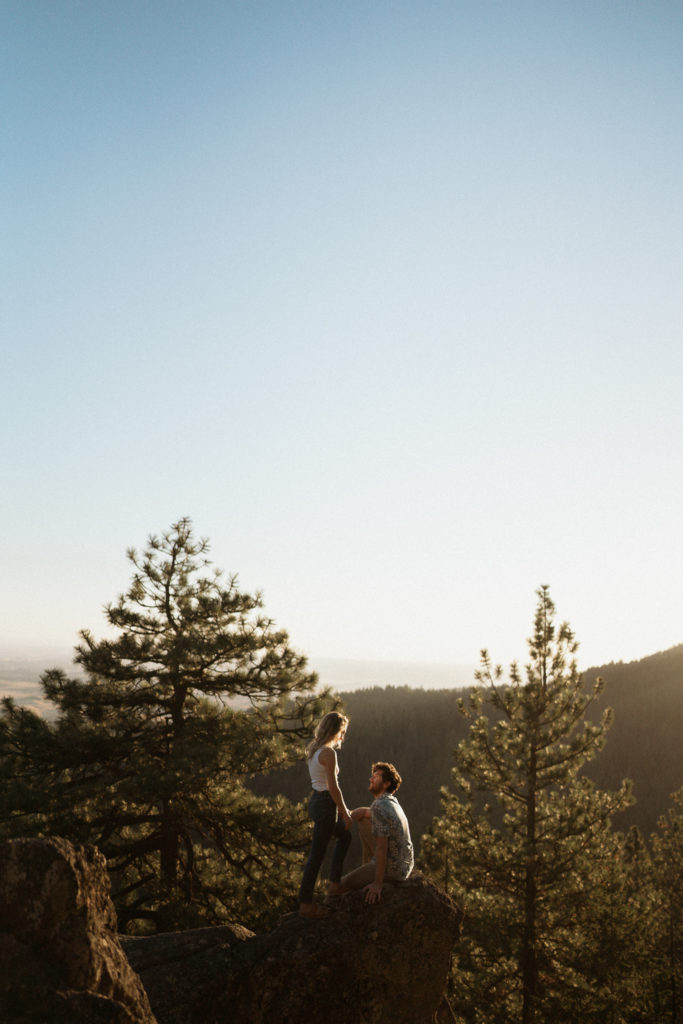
[[373, 892]]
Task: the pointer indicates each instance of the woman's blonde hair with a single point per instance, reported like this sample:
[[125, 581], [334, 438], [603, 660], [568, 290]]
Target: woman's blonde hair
[[329, 726]]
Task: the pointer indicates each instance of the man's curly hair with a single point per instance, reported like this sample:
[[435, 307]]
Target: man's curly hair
[[389, 774]]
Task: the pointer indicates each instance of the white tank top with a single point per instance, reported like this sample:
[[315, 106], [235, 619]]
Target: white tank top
[[318, 772]]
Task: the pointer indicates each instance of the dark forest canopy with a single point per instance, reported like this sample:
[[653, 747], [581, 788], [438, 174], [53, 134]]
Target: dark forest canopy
[[644, 743]]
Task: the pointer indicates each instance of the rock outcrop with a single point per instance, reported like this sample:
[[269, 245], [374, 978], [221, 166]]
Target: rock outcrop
[[362, 965], [62, 962]]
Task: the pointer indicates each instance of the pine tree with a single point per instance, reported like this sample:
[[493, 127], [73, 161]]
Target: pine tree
[[523, 834], [668, 873], [152, 748], [609, 950]]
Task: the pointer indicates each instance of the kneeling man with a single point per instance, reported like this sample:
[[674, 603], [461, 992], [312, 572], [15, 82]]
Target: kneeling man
[[393, 858]]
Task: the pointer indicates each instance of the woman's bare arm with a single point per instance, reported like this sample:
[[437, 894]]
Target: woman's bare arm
[[328, 760]]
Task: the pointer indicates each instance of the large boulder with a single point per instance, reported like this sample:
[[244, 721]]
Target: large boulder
[[176, 968], [62, 962], [366, 964]]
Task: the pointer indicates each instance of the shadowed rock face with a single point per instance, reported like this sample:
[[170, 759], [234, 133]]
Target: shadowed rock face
[[62, 962], [61, 958], [363, 964]]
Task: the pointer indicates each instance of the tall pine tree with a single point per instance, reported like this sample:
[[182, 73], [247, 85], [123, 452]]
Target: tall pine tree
[[523, 834], [150, 751]]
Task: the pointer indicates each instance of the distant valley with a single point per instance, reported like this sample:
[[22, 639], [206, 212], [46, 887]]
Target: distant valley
[[20, 674]]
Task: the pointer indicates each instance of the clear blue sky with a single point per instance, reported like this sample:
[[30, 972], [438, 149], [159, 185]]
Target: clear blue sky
[[386, 296]]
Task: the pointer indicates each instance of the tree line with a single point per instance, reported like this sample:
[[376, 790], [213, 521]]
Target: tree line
[[178, 753], [420, 730]]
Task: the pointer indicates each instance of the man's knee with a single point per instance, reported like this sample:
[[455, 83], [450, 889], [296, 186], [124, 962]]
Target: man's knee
[[359, 877]]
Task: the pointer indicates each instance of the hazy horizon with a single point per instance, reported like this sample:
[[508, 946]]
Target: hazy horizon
[[20, 668]]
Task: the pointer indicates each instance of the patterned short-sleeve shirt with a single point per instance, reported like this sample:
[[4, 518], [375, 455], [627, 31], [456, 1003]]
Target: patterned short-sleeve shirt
[[389, 820]]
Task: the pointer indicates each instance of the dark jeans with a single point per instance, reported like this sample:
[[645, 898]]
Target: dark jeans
[[323, 810]]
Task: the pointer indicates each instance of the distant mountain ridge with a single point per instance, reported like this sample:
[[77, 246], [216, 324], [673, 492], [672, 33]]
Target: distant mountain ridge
[[644, 743], [419, 729]]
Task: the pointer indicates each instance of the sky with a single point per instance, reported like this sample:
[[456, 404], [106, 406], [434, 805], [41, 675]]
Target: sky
[[385, 296]]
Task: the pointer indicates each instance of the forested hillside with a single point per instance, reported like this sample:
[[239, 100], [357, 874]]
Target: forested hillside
[[644, 743], [418, 730]]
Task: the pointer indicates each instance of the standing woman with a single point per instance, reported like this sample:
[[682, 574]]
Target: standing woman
[[327, 808]]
